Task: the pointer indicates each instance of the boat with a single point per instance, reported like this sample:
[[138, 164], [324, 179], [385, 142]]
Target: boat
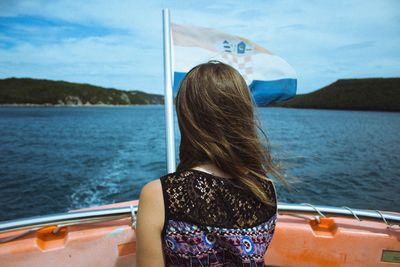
[[305, 235]]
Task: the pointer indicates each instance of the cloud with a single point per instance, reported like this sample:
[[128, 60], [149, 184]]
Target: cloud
[[358, 45], [108, 61], [42, 30]]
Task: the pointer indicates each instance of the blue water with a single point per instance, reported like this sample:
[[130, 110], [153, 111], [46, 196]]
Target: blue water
[[57, 159]]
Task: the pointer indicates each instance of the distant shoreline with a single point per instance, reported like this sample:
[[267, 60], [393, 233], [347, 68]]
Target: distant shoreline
[[370, 94], [161, 105], [333, 109], [30, 92]]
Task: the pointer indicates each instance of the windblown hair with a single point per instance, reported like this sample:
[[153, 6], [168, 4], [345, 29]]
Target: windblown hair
[[217, 123]]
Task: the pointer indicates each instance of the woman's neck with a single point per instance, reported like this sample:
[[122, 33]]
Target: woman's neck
[[211, 168]]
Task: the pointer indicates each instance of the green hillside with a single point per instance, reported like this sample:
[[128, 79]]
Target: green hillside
[[46, 92], [352, 94]]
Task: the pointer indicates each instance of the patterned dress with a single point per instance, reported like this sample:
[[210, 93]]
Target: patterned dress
[[210, 221]]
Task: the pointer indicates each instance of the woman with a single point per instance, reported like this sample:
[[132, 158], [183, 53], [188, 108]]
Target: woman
[[218, 208]]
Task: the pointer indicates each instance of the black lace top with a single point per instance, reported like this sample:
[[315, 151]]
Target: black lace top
[[210, 221]]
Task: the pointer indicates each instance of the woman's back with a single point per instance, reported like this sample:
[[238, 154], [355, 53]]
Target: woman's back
[[211, 221]]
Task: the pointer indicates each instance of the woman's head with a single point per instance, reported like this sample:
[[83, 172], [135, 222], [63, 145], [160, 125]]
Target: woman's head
[[217, 124]]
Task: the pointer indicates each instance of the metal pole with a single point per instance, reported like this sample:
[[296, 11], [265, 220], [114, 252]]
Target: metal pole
[[168, 94]]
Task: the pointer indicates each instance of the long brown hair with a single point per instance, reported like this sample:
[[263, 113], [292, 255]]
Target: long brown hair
[[217, 123]]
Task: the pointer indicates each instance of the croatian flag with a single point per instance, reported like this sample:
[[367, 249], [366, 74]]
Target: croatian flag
[[269, 77]]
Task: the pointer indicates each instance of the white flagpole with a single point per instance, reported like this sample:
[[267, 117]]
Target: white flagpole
[[168, 94]]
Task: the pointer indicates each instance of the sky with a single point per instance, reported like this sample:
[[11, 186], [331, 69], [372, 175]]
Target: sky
[[118, 44]]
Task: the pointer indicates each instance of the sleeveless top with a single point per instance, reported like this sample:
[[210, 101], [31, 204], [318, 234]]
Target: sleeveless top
[[210, 221]]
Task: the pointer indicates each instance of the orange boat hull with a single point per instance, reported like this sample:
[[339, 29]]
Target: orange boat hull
[[297, 242]]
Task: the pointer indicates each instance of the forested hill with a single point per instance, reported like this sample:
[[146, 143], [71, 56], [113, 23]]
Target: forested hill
[[352, 94], [47, 92]]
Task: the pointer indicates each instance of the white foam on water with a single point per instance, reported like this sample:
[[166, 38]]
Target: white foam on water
[[97, 190]]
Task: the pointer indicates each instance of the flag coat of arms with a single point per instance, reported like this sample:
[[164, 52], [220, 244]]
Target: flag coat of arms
[[269, 77]]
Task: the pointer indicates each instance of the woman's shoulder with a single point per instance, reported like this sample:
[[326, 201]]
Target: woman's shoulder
[[151, 194], [151, 205], [151, 188]]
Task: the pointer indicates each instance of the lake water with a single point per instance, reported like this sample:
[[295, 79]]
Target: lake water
[[57, 159]]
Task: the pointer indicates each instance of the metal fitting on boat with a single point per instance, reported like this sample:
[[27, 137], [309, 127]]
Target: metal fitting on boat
[[133, 217]]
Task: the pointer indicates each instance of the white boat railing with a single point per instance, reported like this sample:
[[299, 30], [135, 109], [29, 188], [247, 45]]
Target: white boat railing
[[101, 215]]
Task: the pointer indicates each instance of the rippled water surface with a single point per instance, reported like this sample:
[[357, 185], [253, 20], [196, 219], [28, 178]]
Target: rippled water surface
[[56, 159]]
